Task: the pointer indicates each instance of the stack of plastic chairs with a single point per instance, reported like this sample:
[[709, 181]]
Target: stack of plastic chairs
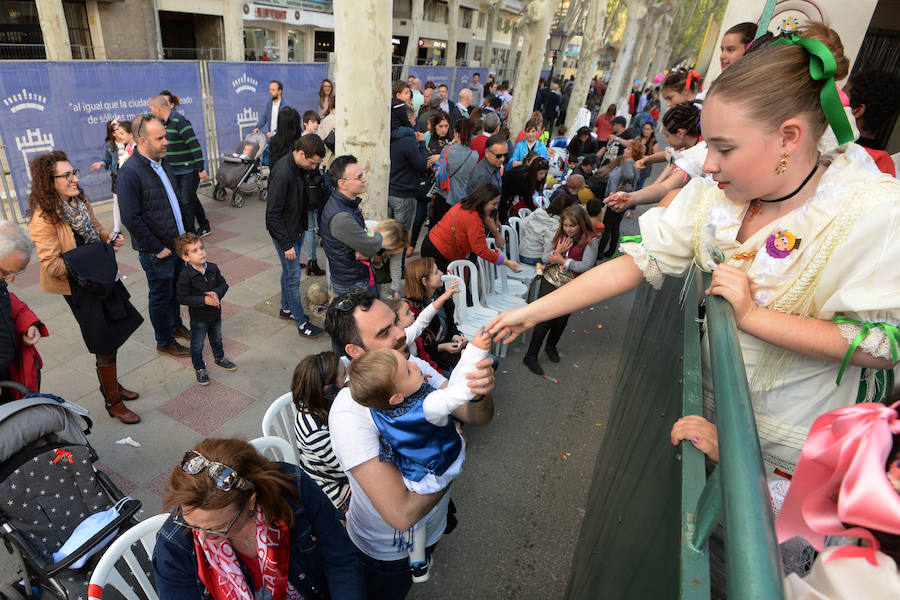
[[504, 284], [470, 316], [511, 235]]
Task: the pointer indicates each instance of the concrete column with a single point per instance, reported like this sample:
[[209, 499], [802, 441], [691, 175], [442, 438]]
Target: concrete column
[[364, 89], [538, 14], [591, 42], [452, 29], [93, 16], [412, 45], [233, 24], [493, 8], [54, 29]]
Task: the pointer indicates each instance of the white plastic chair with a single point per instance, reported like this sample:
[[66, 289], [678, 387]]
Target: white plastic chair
[[511, 235], [524, 212], [502, 277], [275, 448], [516, 224], [466, 271], [279, 420], [106, 573]]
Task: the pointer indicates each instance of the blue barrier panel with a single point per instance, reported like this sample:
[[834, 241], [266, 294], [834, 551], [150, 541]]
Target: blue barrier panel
[[65, 106], [437, 75], [241, 92], [464, 76]]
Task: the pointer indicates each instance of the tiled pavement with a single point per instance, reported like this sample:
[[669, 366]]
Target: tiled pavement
[[176, 412]]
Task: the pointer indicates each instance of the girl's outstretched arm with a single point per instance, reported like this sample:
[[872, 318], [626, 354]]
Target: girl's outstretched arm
[[604, 281]]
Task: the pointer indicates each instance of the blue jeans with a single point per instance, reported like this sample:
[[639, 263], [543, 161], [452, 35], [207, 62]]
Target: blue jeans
[[199, 331], [309, 236], [339, 289], [388, 579], [165, 312], [290, 283], [527, 260]]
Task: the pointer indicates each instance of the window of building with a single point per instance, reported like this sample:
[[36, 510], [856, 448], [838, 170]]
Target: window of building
[[20, 31], [482, 17], [435, 12], [402, 9], [261, 44], [476, 55], [79, 30], [324, 43], [465, 18], [296, 41]]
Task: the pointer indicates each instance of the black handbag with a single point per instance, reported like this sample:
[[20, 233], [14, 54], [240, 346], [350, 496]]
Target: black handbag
[[92, 267]]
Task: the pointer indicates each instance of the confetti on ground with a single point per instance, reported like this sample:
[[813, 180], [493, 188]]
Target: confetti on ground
[[568, 454], [129, 441], [575, 365], [565, 457], [504, 371], [585, 332], [592, 308], [599, 326], [598, 424], [550, 379], [580, 512]]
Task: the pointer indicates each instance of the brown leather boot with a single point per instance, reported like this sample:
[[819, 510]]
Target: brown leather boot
[[126, 394], [114, 405]]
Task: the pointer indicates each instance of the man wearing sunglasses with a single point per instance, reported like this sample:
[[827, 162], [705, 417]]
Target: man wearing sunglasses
[[380, 504], [490, 168], [155, 215]]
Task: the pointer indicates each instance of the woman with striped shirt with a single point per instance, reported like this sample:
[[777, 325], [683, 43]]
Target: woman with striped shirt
[[317, 380]]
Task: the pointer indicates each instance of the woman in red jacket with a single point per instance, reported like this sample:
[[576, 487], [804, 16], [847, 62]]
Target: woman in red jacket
[[461, 232]]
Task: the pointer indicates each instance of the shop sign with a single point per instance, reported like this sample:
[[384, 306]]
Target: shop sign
[[270, 13]]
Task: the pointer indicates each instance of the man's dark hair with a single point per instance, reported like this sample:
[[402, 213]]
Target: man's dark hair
[[443, 85], [340, 323], [878, 91], [398, 87], [594, 207], [278, 83], [504, 85], [590, 160], [495, 139], [429, 85], [311, 145], [311, 115], [478, 75], [339, 166], [619, 120], [495, 103]]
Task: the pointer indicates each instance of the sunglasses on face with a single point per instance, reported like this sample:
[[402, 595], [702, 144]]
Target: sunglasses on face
[[223, 476], [69, 175], [351, 299], [501, 155], [178, 518]]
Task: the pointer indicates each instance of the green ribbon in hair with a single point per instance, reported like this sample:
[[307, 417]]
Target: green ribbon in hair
[[822, 66], [892, 331]]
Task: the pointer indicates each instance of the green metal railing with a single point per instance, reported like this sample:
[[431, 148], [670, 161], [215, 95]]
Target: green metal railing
[[622, 551]]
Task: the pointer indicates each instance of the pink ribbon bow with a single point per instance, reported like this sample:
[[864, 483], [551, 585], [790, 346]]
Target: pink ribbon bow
[[840, 478]]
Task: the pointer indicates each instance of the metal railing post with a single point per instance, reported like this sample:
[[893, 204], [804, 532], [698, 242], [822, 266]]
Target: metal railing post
[[751, 557]]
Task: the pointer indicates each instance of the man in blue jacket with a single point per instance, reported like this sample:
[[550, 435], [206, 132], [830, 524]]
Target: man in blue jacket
[[155, 215], [269, 116], [409, 159]]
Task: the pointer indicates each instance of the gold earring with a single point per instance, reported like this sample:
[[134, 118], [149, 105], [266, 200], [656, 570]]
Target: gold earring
[[782, 164]]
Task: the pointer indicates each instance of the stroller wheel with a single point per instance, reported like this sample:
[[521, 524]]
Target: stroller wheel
[[264, 194], [237, 200], [219, 193]]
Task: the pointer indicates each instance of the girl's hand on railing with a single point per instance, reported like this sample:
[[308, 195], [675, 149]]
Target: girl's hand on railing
[[733, 284], [700, 432]]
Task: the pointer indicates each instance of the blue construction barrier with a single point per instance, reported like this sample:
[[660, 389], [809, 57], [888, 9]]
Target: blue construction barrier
[[65, 106]]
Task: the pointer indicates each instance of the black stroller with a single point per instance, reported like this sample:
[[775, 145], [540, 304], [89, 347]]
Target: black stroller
[[49, 486], [241, 172]]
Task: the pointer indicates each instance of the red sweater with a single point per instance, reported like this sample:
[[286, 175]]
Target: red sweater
[[27, 366], [477, 144], [469, 234]]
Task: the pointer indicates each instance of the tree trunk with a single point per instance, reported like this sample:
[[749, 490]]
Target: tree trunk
[[488, 47], [512, 60], [591, 43], [363, 114], [412, 46], [452, 25], [662, 53], [619, 86], [537, 15]]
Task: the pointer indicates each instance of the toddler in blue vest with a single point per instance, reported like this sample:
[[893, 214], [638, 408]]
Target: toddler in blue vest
[[413, 419]]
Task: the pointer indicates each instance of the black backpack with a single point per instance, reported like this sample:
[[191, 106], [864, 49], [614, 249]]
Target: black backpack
[[316, 189]]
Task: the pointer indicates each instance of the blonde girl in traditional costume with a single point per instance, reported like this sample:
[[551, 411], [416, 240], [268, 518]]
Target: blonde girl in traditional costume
[[803, 244]]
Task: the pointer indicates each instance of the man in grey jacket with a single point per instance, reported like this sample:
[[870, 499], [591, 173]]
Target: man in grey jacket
[[489, 168]]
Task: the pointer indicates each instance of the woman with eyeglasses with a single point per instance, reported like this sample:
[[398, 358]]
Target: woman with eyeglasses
[[77, 262], [243, 528]]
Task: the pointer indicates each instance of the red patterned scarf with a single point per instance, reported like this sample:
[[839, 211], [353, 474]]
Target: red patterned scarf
[[220, 571]]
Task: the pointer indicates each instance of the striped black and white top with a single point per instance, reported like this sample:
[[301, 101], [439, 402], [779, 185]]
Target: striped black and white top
[[318, 459]]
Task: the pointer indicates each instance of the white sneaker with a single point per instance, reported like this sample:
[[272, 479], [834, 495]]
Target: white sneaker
[[421, 573]]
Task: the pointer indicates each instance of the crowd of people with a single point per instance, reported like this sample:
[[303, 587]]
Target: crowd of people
[[780, 195]]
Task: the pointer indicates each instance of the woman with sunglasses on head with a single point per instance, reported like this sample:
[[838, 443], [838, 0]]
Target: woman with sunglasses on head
[[244, 528], [75, 262]]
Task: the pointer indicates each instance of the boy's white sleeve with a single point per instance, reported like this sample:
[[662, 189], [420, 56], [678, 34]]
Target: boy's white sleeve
[[439, 404], [421, 323]]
